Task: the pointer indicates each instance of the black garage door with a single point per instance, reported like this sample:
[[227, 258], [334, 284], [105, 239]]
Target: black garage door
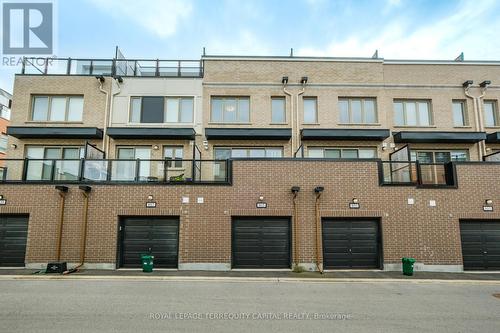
[[13, 235], [351, 243], [480, 244], [141, 235], [261, 242]]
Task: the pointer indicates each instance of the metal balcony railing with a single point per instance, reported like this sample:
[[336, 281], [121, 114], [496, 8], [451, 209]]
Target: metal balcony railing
[[112, 67], [414, 173], [494, 157], [167, 171]]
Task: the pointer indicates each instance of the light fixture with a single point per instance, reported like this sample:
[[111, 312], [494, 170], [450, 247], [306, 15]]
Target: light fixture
[[205, 144], [467, 83], [355, 200], [485, 83], [13, 146], [488, 202], [295, 189], [85, 188], [119, 79], [150, 197], [384, 145], [304, 79], [100, 78], [155, 147], [284, 80], [261, 198], [319, 189], [61, 188]]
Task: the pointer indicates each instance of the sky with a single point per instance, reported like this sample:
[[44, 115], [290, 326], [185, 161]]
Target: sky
[[179, 29]]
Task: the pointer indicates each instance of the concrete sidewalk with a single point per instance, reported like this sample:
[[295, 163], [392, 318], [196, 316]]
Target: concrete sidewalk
[[250, 274]]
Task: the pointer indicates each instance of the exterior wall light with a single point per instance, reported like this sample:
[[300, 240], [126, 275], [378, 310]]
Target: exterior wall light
[[295, 189], [284, 80], [319, 189], [488, 202], [467, 83], [261, 198], [485, 83], [355, 200], [13, 146], [150, 197], [62, 188], [156, 147]]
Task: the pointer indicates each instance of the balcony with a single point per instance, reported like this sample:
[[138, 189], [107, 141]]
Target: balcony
[[414, 173], [113, 67], [175, 172]]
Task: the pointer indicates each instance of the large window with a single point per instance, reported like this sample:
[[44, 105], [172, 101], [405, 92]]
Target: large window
[[49, 162], [126, 170], [322, 152], [357, 111], [491, 116], [459, 113], [57, 108], [278, 110], [235, 152], [310, 110], [174, 154], [412, 113], [230, 109], [158, 109], [439, 156]]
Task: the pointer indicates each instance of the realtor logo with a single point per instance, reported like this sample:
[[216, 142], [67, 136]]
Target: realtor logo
[[27, 28]]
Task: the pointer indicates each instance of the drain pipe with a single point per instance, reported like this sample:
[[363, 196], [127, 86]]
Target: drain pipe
[[63, 190], [303, 81], [83, 246], [318, 190], [295, 191], [101, 80], [284, 81], [478, 117], [118, 80]]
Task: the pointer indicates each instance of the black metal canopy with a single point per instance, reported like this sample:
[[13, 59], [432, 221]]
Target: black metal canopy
[[31, 132], [248, 133], [150, 133], [345, 134], [438, 137], [493, 137]]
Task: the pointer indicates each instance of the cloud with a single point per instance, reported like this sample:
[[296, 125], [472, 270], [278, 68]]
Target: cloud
[[443, 39], [158, 17], [245, 43]]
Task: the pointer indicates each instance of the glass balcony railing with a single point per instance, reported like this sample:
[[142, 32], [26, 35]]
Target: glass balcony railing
[[415, 173], [116, 171]]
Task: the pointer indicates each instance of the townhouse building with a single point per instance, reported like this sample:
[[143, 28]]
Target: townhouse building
[[233, 162], [5, 100]]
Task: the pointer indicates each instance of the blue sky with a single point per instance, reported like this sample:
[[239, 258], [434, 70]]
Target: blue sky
[[172, 29]]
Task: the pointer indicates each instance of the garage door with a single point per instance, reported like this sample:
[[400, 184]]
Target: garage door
[[141, 235], [480, 244], [261, 242], [351, 243], [13, 235]]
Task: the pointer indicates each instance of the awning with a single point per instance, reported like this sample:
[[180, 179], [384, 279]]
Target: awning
[[150, 133], [30, 132], [439, 137], [248, 133], [493, 137], [345, 134]]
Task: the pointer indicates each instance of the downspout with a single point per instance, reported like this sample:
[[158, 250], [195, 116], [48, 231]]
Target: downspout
[[106, 112], [111, 103], [482, 144], [477, 116], [62, 195], [297, 118], [291, 113], [295, 191], [319, 264]]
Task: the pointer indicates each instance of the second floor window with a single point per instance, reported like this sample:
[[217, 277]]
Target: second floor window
[[412, 113], [357, 111], [310, 110], [57, 108], [230, 109], [491, 116], [159, 109], [174, 154], [278, 110], [459, 113]]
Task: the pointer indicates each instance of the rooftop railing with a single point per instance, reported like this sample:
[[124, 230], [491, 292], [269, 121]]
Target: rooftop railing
[[167, 171], [113, 67]]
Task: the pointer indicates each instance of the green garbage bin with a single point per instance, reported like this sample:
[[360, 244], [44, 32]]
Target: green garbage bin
[[408, 266], [147, 263]]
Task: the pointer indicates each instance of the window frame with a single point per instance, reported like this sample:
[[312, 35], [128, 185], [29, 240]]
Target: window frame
[[174, 160], [341, 150], [496, 114], [165, 99], [227, 97], [404, 102], [49, 108], [316, 114], [4, 138], [465, 114], [251, 148], [434, 151], [349, 100], [61, 149], [282, 98]]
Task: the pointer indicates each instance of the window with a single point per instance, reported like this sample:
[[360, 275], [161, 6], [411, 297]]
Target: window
[[459, 113], [357, 111], [235, 152], [320, 152], [3, 143], [310, 110], [4, 112], [412, 113], [57, 108], [173, 153], [230, 109], [439, 156], [48, 162], [159, 109], [278, 110], [491, 117], [126, 170]]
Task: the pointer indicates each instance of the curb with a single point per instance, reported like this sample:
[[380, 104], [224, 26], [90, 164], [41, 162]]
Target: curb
[[238, 279]]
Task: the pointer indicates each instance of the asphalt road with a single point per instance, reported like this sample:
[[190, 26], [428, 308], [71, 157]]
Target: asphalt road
[[221, 306]]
